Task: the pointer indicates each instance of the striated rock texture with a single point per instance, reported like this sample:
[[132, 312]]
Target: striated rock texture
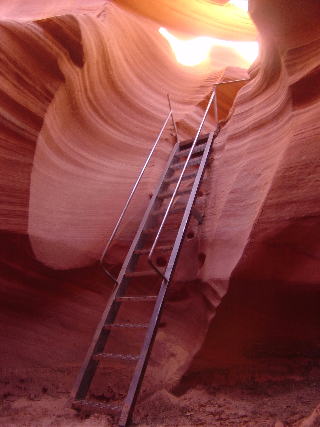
[[201, 17], [77, 106], [83, 95], [262, 225]]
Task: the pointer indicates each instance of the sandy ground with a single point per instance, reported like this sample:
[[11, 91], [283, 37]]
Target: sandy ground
[[25, 403]]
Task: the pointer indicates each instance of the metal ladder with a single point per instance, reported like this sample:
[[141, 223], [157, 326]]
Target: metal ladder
[[189, 157]]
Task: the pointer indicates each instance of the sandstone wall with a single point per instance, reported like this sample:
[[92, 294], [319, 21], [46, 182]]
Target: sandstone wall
[[83, 94], [79, 111], [262, 227]]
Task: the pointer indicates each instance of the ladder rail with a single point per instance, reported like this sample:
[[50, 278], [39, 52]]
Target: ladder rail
[[140, 369], [100, 336], [108, 320], [173, 121], [153, 265], [134, 188]]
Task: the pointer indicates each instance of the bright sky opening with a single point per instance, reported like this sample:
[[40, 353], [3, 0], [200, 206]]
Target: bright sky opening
[[242, 4], [194, 51]]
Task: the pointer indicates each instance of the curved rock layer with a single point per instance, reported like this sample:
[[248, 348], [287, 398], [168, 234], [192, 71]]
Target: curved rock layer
[[82, 98], [30, 76], [19, 10], [263, 212], [80, 111], [95, 77], [271, 137], [201, 17]]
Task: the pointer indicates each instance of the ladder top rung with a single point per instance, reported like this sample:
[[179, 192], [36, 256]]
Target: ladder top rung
[[96, 406], [167, 194], [201, 139], [141, 273], [175, 179], [126, 325], [191, 162], [99, 356], [185, 151], [146, 298], [158, 249]]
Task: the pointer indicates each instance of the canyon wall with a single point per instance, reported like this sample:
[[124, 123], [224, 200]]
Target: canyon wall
[[261, 231], [76, 108], [82, 97]]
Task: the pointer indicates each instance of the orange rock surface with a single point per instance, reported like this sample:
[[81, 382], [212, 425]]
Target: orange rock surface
[[76, 106], [83, 94]]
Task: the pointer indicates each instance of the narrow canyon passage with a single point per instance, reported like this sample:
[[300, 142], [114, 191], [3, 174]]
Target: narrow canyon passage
[[83, 94]]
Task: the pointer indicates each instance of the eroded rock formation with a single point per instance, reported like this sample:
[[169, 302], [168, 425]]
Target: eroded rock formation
[[79, 102], [83, 95], [263, 206]]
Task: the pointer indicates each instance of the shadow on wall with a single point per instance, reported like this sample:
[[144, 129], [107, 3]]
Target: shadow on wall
[[50, 315], [268, 324]]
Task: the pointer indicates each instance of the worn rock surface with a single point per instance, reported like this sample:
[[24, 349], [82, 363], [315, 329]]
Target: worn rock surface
[[83, 94], [262, 223]]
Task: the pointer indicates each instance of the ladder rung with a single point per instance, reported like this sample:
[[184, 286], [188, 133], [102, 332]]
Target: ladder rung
[[155, 230], [191, 162], [185, 151], [175, 179], [189, 142], [99, 348], [158, 248], [141, 273], [127, 325], [99, 356], [169, 193], [136, 299], [96, 406]]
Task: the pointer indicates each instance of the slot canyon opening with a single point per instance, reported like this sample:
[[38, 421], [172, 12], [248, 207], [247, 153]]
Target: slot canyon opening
[[85, 89]]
